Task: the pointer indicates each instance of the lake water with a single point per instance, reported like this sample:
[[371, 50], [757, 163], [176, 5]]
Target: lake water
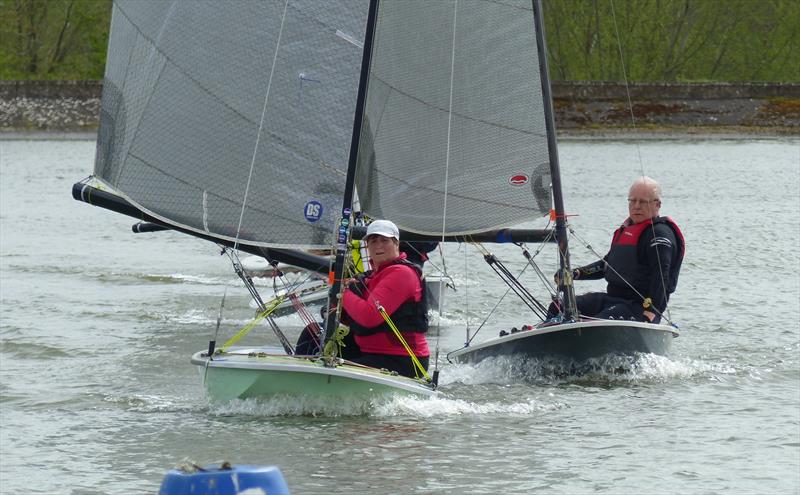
[[97, 394]]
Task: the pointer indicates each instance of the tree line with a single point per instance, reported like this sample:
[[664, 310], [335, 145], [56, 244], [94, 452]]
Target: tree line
[[673, 40], [588, 40]]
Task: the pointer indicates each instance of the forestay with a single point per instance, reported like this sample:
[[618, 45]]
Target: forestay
[[195, 92], [454, 118]]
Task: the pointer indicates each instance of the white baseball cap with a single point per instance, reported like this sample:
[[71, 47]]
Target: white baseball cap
[[383, 228]]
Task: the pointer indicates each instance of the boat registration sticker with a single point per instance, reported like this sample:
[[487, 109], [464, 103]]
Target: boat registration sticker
[[518, 180], [313, 211]]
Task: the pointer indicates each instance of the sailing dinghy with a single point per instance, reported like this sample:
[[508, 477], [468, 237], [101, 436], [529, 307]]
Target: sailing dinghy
[[569, 336], [239, 124]]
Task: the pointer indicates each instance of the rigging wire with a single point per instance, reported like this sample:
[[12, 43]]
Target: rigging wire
[[260, 125], [266, 310], [273, 305], [638, 150], [446, 173], [529, 263], [466, 296], [309, 321], [263, 309], [515, 285], [233, 253]]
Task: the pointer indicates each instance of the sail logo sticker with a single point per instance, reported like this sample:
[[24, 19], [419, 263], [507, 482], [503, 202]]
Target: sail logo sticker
[[313, 211], [518, 180]]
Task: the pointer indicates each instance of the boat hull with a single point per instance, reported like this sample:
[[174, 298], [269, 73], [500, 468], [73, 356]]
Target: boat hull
[[576, 341], [265, 372]]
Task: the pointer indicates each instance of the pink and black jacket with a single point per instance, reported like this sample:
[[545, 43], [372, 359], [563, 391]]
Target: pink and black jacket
[[398, 287]]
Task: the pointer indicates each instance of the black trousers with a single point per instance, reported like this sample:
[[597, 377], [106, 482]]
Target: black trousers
[[307, 345], [403, 365], [601, 305]]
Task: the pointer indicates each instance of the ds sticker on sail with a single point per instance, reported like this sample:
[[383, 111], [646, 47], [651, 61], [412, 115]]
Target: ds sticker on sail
[[313, 211], [518, 180]]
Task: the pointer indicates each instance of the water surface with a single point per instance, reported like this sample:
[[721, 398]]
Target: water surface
[[97, 394]]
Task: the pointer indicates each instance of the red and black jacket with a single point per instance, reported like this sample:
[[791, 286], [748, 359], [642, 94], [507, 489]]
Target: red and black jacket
[[648, 256]]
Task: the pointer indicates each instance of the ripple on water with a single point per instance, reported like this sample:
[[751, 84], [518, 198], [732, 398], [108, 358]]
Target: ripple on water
[[37, 351], [151, 403], [160, 278], [119, 277]]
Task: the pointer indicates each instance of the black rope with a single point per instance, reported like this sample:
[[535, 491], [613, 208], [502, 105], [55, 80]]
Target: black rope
[[248, 282], [535, 305]]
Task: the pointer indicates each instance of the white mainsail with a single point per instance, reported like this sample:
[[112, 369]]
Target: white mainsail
[[211, 105], [203, 98], [454, 108]]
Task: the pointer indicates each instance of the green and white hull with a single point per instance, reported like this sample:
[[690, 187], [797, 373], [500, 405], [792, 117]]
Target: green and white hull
[[267, 372]]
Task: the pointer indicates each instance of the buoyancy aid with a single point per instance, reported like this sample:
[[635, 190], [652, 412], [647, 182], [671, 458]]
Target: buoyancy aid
[[410, 317], [629, 269]]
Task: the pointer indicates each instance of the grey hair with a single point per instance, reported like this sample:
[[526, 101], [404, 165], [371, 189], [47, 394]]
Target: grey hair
[[651, 183]]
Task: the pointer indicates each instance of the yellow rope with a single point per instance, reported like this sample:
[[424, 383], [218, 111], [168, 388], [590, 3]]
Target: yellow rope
[[355, 257], [244, 331], [335, 344], [418, 366]]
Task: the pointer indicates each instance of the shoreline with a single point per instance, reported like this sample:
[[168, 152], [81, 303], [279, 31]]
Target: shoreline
[[582, 110], [700, 133]]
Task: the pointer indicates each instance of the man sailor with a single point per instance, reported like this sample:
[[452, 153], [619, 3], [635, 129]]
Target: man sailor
[[642, 265]]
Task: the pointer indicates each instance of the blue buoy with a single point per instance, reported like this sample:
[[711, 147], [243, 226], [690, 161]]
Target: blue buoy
[[225, 480]]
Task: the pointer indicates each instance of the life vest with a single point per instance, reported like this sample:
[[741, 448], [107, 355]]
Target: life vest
[[624, 258], [410, 317]]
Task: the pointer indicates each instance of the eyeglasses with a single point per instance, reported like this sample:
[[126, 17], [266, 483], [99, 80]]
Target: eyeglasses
[[643, 202]]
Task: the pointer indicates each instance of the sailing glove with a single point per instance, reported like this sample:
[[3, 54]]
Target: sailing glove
[[357, 287], [557, 276]]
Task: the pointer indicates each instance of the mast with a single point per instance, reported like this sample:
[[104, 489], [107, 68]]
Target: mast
[[335, 275], [565, 281]]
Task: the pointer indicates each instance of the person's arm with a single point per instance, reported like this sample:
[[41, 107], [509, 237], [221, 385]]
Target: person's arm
[[661, 246], [593, 271], [394, 288]]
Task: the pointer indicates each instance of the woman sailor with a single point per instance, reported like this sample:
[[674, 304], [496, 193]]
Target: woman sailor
[[395, 285]]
